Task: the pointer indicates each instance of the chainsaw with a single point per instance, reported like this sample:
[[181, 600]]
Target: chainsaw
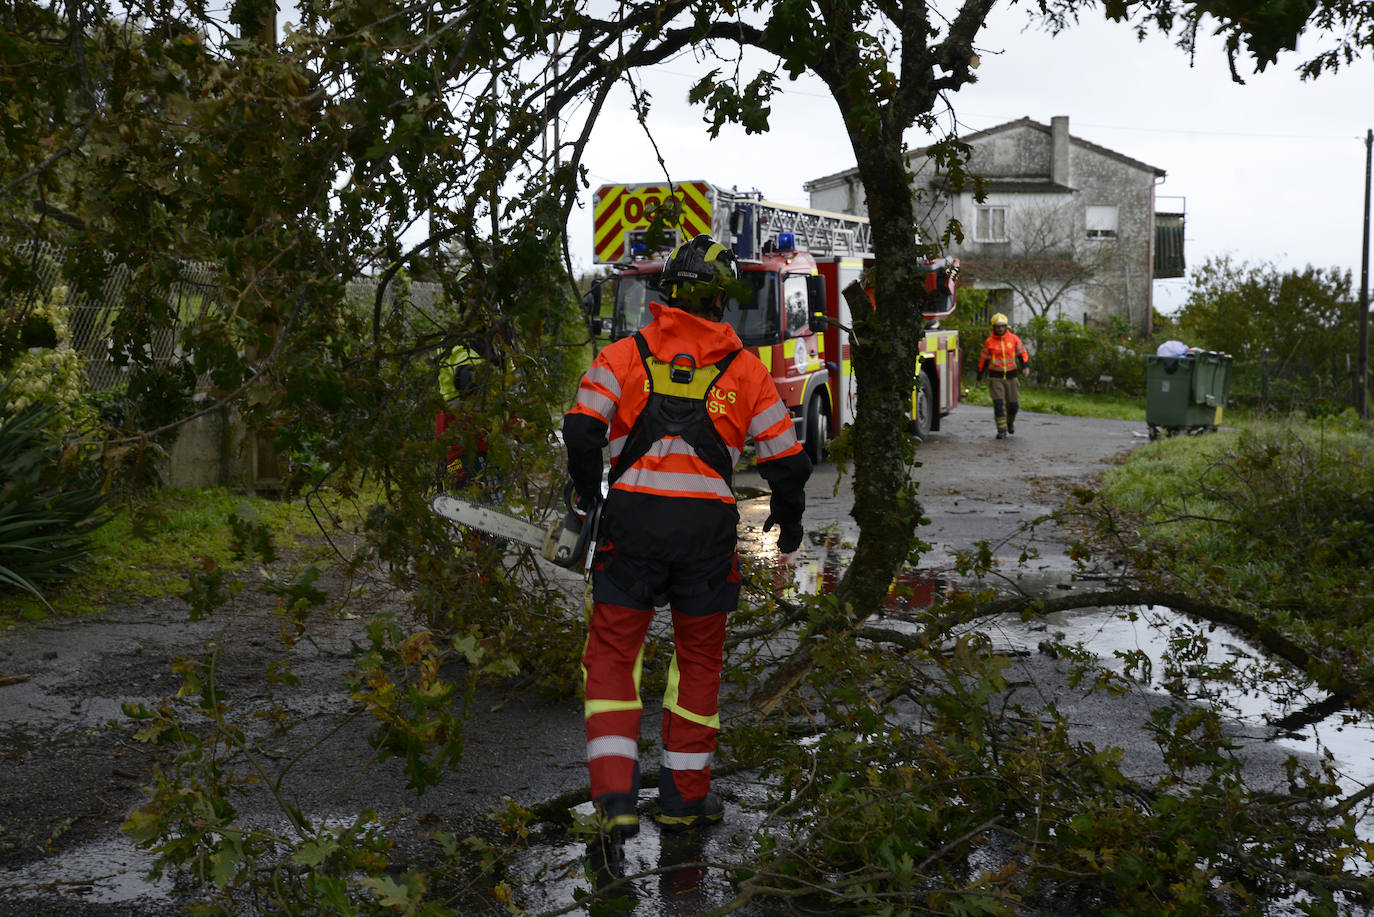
[[570, 542]]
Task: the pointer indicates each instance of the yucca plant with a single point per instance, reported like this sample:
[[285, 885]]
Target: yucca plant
[[49, 504]]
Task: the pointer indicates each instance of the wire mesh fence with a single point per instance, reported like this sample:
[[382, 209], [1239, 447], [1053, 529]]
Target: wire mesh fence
[[193, 294]]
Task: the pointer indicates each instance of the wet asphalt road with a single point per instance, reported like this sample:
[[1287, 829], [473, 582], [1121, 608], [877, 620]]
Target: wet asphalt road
[[68, 779], [975, 487]]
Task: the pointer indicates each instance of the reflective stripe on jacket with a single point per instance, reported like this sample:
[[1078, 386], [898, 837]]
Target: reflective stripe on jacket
[[743, 403], [1003, 355]]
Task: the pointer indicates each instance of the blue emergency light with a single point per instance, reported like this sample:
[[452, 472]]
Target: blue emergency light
[[787, 241]]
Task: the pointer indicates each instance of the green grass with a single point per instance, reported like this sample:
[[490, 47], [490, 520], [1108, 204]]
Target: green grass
[[1161, 477], [146, 551], [1046, 400], [1276, 517]]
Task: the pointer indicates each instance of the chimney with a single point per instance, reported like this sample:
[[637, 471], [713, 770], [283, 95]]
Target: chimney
[[1059, 150]]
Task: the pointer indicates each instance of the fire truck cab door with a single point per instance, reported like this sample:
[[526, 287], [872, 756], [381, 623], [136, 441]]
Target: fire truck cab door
[[801, 345]]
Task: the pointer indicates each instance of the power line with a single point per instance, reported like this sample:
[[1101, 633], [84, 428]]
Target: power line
[[1176, 130], [965, 116]]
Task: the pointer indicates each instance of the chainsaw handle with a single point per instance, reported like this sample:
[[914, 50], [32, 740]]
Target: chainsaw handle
[[592, 535], [571, 504]]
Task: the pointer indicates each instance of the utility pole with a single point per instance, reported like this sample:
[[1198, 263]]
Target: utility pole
[[1363, 362]]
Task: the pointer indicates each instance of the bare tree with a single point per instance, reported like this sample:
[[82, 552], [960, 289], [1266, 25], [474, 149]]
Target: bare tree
[[1049, 258]]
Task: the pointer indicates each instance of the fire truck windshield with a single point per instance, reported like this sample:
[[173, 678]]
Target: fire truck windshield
[[756, 320], [632, 297]]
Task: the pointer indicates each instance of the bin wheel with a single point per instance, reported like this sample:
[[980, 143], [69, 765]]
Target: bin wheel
[[1154, 433]]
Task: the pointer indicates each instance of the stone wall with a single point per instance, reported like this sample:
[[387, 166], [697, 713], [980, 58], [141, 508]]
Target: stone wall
[[215, 450]]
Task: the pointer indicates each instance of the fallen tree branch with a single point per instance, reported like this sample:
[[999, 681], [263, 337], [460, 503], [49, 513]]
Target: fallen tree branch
[[1322, 671]]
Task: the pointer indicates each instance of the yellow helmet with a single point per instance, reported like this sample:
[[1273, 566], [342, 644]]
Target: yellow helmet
[[998, 319]]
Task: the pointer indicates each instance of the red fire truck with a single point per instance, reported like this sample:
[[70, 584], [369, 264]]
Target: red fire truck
[[795, 261]]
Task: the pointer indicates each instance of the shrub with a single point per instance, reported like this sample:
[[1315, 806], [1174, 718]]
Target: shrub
[[1096, 360], [37, 357], [50, 500]]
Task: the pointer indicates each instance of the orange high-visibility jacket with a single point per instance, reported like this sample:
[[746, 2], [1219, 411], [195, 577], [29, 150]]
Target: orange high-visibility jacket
[[1003, 355], [671, 499]]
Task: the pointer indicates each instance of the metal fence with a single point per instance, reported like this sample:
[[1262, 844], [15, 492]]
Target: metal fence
[[193, 295]]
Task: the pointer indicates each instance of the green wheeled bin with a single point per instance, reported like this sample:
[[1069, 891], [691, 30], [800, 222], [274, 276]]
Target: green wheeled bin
[[1186, 394]]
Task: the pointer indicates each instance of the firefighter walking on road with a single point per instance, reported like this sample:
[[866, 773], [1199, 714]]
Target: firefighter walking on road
[[1004, 358], [675, 403]]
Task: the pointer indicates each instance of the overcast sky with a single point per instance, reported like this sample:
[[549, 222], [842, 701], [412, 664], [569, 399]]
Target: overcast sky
[[1271, 171]]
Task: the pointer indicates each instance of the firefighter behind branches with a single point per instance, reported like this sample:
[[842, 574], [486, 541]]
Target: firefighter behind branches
[[1004, 358], [675, 402], [468, 375]]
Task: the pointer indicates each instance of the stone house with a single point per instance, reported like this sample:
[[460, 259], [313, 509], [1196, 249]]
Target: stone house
[[1067, 228]]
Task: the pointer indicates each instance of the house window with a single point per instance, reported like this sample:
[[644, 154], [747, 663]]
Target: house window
[[1101, 222], [990, 224]]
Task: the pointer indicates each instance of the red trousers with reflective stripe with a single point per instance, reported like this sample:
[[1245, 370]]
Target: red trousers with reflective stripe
[[611, 662]]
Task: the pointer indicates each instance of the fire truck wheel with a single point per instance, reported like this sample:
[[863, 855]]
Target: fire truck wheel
[[817, 428], [925, 406]]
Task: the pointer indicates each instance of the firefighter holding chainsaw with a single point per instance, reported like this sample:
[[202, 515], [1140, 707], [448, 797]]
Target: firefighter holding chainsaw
[[1003, 359], [676, 403]]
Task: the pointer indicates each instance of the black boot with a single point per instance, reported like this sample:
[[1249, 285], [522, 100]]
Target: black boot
[[1011, 416], [699, 813]]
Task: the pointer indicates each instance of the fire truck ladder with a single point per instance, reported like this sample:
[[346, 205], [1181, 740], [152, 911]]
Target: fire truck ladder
[[816, 231]]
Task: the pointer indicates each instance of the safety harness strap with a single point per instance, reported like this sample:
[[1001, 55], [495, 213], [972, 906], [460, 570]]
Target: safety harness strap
[[677, 406]]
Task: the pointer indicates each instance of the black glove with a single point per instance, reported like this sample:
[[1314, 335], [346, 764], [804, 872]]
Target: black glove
[[789, 534]]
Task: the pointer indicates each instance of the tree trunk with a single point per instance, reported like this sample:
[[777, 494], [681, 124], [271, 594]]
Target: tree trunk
[[887, 335], [886, 340], [881, 91]]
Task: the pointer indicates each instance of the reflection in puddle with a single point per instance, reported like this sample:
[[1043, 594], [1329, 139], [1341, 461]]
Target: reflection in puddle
[[1174, 654], [114, 871], [665, 875], [818, 567]]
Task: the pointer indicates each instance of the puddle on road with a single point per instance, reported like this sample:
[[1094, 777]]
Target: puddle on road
[[1263, 696], [106, 872], [818, 567], [1266, 696], [660, 875], [115, 871]]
